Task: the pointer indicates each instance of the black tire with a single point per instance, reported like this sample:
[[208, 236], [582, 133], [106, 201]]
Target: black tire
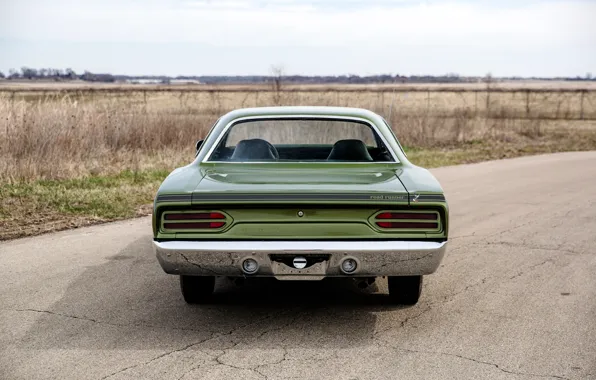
[[197, 289], [405, 290]]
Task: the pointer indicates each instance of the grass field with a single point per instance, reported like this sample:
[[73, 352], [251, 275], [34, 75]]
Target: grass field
[[75, 155]]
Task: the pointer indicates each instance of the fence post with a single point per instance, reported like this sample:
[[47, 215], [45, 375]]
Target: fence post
[[581, 109], [391, 106], [487, 101], [476, 103], [528, 103]]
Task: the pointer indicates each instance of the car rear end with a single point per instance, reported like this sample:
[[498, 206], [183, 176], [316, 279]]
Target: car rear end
[[300, 193], [300, 235]]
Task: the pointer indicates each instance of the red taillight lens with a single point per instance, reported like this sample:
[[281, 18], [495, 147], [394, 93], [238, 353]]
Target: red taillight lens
[[398, 215], [194, 220], [195, 216], [429, 226], [193, 226], [408, 220]]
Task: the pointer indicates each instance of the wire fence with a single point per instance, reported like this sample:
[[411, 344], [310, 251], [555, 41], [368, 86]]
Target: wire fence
[[518, 103]]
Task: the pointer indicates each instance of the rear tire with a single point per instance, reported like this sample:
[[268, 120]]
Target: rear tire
[[197, 289], [405, 290]]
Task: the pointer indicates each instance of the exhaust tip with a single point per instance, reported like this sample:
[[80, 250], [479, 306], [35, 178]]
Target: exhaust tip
[[250, 266], [348, 265]]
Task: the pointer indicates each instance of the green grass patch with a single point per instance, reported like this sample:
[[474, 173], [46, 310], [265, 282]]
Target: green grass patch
[[486, 150], [26, 207]]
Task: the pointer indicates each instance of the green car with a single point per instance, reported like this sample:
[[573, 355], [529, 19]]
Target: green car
[[300, 193]]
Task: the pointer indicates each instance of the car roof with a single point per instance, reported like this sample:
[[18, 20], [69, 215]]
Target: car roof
[[288, 111], [302, 110]]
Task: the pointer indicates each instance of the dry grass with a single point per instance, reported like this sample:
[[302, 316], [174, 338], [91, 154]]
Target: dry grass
[[71, 135], [58, 140], [70, 158]]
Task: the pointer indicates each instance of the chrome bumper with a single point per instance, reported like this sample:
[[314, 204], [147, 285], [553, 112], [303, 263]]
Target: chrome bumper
[[374, 258]]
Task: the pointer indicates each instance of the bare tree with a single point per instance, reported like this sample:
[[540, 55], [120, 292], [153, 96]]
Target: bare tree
[[277, 75], [2, 76], [29, 73], [70, 73], [488, 79]]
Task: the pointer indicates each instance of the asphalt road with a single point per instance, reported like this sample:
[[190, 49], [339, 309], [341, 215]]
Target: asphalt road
[[515, 298]]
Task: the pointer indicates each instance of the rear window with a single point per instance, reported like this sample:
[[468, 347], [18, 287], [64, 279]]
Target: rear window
[[301, 140]]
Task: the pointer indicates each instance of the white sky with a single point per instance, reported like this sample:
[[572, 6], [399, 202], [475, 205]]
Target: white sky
[[243, 37]]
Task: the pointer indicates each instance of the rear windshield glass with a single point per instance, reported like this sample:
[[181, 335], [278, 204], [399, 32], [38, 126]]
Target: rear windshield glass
[[301, 140]]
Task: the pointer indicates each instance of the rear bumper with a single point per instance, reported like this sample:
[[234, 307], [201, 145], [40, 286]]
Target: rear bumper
[[374, 258]]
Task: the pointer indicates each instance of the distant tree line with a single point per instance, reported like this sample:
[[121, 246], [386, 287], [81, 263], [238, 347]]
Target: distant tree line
[[70, 74], [55, 74]]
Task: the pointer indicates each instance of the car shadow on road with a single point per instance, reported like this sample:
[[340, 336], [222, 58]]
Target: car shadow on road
[[129, 303]]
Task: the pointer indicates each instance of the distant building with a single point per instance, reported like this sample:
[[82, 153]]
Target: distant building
[[162, 81], [184, 81], [144, 81]]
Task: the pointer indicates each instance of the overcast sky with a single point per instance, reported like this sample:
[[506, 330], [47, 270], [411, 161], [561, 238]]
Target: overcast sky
[[240, 37]]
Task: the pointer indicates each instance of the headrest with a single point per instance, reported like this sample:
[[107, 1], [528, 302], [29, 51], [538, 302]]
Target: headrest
[[254, 149], [349, 150]]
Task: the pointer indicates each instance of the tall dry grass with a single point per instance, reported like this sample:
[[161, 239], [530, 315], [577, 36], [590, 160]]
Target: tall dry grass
[[51, 140], [70, 136]]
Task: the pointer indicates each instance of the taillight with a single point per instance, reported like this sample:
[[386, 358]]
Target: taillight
[[194, 216], [193, 226], [430, 226], [199, 220], [403, 215], [408, 220]]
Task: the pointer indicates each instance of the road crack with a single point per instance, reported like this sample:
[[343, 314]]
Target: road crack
[[530, 268], [255, 369], [533, 247], [87, 319], [405, 321], [495, 365], [283, 359], [216, 358], [158, 357]]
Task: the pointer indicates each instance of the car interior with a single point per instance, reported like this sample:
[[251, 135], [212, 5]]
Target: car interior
[[349, 150], [301, 140]]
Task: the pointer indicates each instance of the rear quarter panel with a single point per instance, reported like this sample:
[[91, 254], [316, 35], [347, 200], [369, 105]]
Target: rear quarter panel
[[425, 190]]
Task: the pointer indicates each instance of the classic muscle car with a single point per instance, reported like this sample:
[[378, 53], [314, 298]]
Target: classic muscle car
[[300, 193]]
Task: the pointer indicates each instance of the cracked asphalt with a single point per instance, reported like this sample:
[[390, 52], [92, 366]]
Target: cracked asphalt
[[515, 298]]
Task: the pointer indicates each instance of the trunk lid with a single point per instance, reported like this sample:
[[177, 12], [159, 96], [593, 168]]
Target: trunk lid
[[354, 185], [319, 202]]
